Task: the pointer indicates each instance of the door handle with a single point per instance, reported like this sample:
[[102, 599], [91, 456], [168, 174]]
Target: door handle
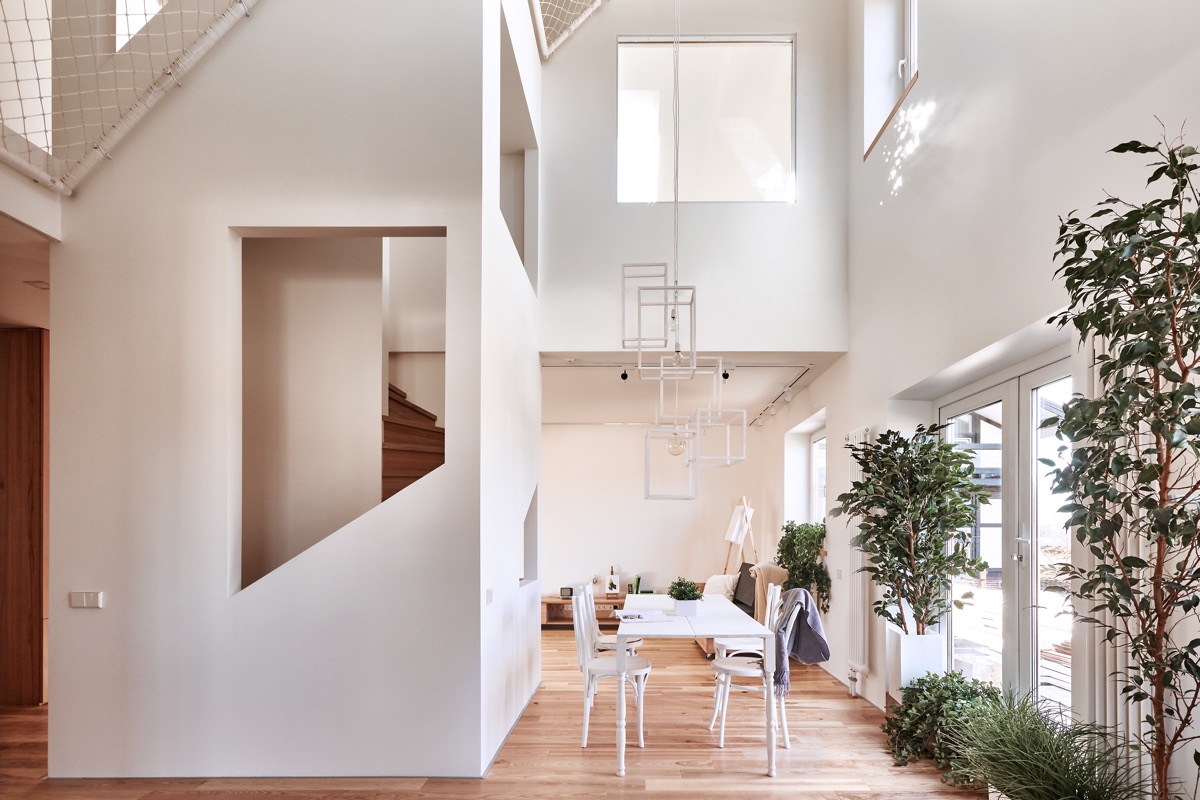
[[1022, 542]]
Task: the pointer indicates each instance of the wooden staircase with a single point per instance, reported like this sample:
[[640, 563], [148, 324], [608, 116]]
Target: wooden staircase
[[413, 444]]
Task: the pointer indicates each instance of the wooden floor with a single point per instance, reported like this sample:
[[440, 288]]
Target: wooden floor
[[837, 753]]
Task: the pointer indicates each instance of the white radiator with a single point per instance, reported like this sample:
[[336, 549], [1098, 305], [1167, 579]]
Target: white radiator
[[860, 586]]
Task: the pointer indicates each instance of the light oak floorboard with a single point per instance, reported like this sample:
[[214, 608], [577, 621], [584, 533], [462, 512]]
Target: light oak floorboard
[[838, 751]]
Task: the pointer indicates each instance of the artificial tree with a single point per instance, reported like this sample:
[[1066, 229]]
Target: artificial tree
[[799, 552], [916, 502], [1132, 272]]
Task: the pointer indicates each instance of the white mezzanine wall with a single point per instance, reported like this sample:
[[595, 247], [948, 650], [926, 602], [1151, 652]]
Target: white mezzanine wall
[[951, 272], [768, 276], [302, 672], [509, 607]]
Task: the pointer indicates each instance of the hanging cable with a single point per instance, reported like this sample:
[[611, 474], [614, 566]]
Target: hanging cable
[[675, 132]]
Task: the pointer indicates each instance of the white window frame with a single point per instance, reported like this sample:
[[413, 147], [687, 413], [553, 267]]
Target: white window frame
[[685, 41]]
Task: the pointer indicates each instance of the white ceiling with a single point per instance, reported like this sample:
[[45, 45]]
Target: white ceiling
[[583, 388]]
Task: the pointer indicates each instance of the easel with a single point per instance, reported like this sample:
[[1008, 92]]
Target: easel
[[739, 528]]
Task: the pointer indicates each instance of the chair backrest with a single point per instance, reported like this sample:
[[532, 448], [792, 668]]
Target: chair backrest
[[589, 610], [774, 604], [585, 643]]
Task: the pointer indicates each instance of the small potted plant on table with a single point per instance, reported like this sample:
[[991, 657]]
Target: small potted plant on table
[[687, 597]]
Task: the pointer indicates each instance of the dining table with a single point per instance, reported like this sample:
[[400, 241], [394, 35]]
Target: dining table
[[652, 616]]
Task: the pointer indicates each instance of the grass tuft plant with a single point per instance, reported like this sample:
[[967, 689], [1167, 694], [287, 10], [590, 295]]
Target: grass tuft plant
[[1031, 752]]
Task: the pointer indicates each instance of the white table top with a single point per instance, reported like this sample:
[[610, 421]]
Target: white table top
[[717, 617]]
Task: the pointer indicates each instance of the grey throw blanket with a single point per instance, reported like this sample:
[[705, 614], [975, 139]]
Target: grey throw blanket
[[807, 641]]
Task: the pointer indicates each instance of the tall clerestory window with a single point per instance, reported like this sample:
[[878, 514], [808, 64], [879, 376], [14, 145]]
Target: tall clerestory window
[[736, 119]]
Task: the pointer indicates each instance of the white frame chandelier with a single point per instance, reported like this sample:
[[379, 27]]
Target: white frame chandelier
[[658, 319]]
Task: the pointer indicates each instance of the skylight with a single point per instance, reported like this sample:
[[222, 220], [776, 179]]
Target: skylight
[[132, 16]]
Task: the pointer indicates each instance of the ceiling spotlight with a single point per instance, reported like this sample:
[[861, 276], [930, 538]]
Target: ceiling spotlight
[[725, 374], [624, 375], [774, 410], [787, 395]]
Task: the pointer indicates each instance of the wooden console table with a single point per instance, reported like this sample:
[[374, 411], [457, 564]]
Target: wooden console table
[[556, 611]]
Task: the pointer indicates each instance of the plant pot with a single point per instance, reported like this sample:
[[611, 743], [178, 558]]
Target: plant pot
[[910, 656], [687, 608]]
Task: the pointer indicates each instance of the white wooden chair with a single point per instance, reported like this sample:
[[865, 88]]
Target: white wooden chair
[[594, 667], [749, 646], [604, 641], [751, 667]]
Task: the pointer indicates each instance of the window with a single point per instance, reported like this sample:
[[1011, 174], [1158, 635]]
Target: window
[[816, 503], [889, 63], [132, 16], [736, 114]]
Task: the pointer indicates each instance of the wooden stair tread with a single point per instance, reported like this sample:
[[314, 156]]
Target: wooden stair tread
[[413, 443], [408, 405], [415, 448], [399, 397], [409, 472], [409, 423]]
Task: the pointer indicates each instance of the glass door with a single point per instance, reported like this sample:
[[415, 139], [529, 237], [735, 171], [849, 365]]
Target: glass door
[[1012, 631], [1050, 543], [980, 630]]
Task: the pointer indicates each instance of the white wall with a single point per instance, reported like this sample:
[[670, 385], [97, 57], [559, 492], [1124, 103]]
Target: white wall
[[768, 276], [510, 417], [415, 320], [310, 670], [595, 515], [30, 203], [947, 274], [311, 321]]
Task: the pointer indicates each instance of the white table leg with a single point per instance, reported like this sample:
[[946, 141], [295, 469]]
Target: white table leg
[[622, 659], [772, 723]]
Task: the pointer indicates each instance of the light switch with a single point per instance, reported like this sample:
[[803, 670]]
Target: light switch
[[488, 594], [86, 599]]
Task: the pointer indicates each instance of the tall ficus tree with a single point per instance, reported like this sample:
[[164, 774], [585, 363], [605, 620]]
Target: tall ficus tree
[[916, 503], [1132, 271]]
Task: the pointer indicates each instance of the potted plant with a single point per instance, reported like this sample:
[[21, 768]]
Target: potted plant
[[993, 739], [799, 552], [916, 504], [1133, 477], [919, 724], [687, 597]]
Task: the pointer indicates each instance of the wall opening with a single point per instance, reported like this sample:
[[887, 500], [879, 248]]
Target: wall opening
[[329, 324], [529, 571], [518, 160]]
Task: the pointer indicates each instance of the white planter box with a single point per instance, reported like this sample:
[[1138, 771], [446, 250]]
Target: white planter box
[[910, 656], [687, 608]]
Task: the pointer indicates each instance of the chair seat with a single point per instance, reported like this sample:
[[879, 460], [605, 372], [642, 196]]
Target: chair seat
[[608, 641], [634, 665], [747, 644], [739, 666]]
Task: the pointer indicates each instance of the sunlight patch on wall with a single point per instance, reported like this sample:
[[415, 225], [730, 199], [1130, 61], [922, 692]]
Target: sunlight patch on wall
[[908, 125]]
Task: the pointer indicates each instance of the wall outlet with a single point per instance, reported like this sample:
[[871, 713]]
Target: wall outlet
[[86, 599]]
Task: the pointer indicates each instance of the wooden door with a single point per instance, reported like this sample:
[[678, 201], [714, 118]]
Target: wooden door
[[23, 515]]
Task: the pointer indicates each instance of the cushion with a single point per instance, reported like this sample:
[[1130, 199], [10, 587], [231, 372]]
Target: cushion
[[743, 592], [721, 584]]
